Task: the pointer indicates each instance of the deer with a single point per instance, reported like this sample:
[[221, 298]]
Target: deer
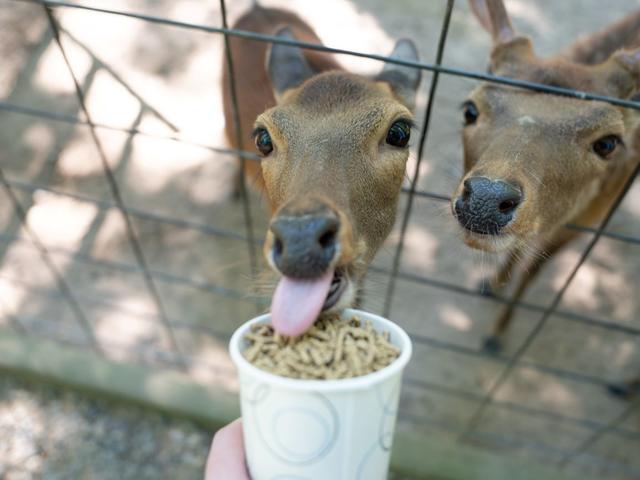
[[333, 148], [534, 162]]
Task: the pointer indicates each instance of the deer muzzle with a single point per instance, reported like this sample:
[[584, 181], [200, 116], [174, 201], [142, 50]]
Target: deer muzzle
[[487, 206], [305, 244]]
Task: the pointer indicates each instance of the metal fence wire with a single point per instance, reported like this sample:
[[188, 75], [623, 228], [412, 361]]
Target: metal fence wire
[[473, 430]]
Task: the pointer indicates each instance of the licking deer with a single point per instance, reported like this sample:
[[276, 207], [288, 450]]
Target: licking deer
[[534, 162], [334, 147]]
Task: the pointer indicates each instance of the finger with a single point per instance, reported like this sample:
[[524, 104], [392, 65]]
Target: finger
[[226, 458]]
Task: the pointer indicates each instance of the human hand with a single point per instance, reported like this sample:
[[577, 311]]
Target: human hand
[[226, 459]]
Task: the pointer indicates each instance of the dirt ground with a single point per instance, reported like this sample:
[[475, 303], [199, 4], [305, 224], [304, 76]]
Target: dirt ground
[[164, 81], [56, 434]]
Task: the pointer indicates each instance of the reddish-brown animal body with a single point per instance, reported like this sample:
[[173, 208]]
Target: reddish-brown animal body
[[252, 81]]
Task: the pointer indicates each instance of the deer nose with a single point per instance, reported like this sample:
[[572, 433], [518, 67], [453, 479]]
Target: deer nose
[[305, 243], [486, 206]]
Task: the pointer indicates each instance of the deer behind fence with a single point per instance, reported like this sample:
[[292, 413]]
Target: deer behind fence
[[534, 162], [334, 147]]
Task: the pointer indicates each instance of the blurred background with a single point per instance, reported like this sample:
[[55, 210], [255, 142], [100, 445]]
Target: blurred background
[[78, 286]]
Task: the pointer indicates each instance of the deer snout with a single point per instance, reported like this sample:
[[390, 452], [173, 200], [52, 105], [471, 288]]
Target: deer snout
[[487, 206], [305, 243]]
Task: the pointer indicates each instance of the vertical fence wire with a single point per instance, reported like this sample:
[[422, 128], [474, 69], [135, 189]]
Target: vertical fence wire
[[62, 284], [118, 78], [477, 416], [416, 174], [511, 362], [242, 183], [598, 434], [116, 194]]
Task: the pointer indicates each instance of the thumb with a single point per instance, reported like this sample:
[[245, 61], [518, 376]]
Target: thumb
[[226, 459]]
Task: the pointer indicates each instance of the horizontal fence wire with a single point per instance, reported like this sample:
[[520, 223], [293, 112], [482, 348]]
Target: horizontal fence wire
[[70, 119], [125, 267], [45, 256], [420, 384], [509, 441], [209, 230], [144, 352], [420, 339], [240, 296], [73, 120], [113, 185], [118, 78], [632, 408], [538, 413], [597, 428], [538, 87]]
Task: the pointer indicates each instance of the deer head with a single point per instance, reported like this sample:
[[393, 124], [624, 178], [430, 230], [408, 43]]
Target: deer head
[[335, 148], [535, 161]]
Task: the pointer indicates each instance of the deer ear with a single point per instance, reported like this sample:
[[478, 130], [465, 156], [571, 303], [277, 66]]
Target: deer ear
[[404, 81], [287, 66], [493, 16], [626, 85], [509, 49], [506, 56]]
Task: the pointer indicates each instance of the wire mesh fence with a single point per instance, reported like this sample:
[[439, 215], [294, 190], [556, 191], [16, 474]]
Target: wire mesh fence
[[481, 404]]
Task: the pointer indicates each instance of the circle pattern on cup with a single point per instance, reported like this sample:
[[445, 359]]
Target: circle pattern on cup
[[367, 468], [255, 393], [388, 409], [318, 417], [386, 399], [310, 426]]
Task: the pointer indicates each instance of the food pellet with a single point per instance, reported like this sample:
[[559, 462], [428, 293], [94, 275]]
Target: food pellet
[[333, 348]]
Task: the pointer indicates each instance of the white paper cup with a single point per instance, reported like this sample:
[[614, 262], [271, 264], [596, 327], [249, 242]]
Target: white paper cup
[[320, 429]]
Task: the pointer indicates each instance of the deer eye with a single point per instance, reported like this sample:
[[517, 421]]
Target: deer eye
[[470, 112], [399, 133], [263, 141], [606, 145]]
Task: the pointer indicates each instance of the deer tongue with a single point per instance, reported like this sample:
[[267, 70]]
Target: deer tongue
[[297, 303]]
